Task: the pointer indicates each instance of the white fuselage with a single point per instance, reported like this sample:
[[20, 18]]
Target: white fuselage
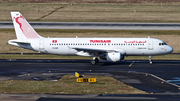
[[126, 46]]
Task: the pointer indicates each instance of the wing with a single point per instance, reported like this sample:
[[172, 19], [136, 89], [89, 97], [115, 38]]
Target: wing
[[91, 51]]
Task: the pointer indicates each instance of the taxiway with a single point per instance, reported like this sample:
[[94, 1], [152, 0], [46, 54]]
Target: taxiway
[[161, 79], [97, 26]]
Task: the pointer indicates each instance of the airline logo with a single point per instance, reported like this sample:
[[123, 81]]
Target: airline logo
[[54, 41], [135, 41], [100, 41], [20, 24], [25, 27]]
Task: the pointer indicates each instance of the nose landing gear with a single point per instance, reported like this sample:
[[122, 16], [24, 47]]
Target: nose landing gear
[[150, 60]]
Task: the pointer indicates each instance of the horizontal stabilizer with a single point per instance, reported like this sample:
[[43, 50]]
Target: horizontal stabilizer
[[18, 41]]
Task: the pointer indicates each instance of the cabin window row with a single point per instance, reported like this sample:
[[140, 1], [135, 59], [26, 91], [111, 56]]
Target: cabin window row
[[70, 44]]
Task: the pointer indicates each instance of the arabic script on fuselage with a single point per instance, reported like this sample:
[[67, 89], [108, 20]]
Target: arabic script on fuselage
[[135, 41]]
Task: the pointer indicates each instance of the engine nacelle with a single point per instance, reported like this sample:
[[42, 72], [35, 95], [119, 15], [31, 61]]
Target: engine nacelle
[[113, 57]]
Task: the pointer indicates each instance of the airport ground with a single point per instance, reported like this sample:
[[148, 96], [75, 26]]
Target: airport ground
[[161, 79]]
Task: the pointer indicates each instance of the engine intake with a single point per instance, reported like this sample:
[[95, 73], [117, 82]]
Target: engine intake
[[113, 57]]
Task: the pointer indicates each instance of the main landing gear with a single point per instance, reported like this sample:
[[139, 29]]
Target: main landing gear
[[150, 60], [94, 61]]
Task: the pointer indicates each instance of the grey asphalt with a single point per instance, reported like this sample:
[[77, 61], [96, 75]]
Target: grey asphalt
[[162, 79], [97, 25]]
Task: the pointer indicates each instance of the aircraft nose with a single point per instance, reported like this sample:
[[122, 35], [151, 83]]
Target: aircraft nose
[[170, 49]]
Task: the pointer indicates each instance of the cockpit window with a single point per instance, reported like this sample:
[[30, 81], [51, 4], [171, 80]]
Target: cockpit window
[[162, 44]]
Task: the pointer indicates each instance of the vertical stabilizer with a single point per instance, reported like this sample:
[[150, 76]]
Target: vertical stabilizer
[[22, 28]]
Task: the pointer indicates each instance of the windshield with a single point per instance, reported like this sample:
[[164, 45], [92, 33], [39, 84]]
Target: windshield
[[162, 44]]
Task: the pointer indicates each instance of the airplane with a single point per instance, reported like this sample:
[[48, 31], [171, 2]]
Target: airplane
[[109, 49]]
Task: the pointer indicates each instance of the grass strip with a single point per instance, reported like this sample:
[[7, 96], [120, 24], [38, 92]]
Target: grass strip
[[45, 56], [68, 85], [51, 56], [50, 13]]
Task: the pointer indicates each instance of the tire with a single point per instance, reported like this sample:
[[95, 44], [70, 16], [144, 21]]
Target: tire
[[150, 62], [96, 60], [93, 62]]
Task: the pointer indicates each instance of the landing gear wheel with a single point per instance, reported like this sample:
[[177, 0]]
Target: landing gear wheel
[[94, 61], [97, 60], [150, 60]]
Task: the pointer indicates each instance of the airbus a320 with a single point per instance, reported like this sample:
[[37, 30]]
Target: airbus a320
[[110, 49]]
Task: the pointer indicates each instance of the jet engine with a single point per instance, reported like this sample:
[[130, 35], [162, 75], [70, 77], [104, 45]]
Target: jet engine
[[113, 57]]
